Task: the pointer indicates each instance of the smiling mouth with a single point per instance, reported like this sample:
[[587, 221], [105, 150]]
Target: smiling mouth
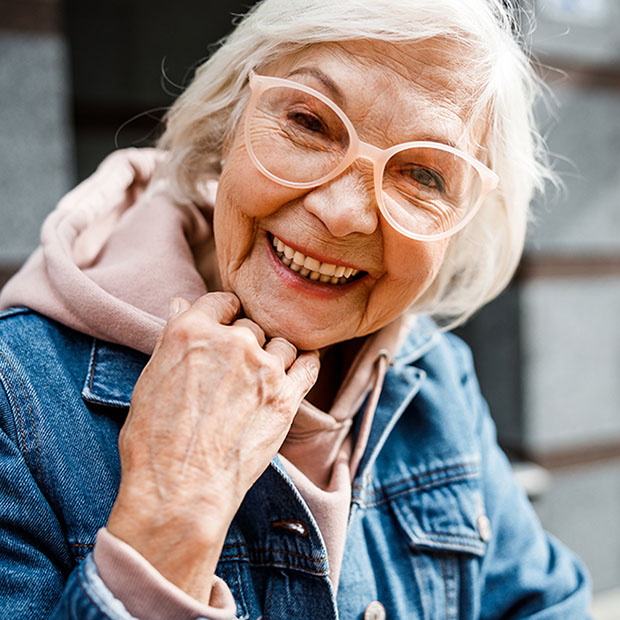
[[312, 268]]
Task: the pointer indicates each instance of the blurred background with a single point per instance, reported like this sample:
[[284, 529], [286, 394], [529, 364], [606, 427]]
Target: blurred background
[[80, 78]]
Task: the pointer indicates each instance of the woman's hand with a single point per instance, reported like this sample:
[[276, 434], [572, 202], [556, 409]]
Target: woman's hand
[[209, 412]]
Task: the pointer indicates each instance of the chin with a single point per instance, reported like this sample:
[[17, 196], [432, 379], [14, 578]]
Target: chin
[[298, 333]]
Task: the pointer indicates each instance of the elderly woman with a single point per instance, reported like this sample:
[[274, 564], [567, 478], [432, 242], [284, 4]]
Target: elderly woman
[[251, 306]]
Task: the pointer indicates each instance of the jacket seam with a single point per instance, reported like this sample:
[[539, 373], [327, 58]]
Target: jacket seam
[[252, 550], [34, 429], [19, 416], [462, 465], [92, 366], [296, 555], [423, 486]]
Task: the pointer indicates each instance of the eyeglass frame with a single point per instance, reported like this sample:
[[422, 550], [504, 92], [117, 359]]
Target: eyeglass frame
[[359, 149]]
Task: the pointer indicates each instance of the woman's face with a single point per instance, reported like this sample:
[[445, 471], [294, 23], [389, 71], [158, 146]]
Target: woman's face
[[392, 95]]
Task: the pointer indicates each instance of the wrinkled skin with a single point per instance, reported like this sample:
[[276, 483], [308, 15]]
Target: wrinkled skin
[[182, 481], [219, 394]]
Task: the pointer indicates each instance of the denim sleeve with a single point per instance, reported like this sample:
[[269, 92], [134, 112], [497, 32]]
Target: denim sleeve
[[526, 572], [37, 578]]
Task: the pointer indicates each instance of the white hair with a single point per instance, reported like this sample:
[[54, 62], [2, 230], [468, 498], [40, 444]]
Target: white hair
[[481, 258]]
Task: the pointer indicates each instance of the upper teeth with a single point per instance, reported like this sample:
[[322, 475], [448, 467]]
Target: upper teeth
[[311, 267]]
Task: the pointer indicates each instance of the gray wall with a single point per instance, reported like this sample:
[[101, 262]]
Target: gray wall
[[36, 139], [549, 350]]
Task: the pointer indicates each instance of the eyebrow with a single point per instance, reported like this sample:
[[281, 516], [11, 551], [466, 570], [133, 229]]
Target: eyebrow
[[335, 92], [439, 138], [339, 98]]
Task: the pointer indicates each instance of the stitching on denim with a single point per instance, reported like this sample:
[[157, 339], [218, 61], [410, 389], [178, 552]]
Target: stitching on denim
[[257, 550], [311, 571], [81, 545], [442, 564], [297, 555], [449, 573], [419, 573], [92, 366], [269, 597], [426, 485], [34, 430], [463, 537], [241, 592], [19, 416], [420, 479]]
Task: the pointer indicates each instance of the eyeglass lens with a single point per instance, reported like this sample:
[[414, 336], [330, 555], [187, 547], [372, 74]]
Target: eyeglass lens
[[300, 139]]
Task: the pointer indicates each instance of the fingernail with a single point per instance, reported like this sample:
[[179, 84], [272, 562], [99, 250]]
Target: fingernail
[[313, 367], [173, 307]]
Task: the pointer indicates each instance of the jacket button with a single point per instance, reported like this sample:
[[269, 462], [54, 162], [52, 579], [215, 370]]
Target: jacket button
[[484, 528], [375, 611]]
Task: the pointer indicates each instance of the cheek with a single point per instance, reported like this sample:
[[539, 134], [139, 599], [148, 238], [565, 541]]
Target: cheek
[[414, 260], [246, 191]]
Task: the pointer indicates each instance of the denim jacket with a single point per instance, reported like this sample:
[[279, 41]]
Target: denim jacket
[[437, 528]]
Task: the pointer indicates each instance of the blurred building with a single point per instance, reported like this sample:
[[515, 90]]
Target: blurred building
[[82, 78], [548, 350]]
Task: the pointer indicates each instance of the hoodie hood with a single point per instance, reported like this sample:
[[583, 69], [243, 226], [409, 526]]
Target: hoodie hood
[[113, 253]]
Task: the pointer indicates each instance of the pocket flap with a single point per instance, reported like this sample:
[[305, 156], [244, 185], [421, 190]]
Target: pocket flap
[[445, 514]]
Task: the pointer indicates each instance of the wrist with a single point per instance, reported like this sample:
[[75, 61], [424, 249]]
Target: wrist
[[183, 544]]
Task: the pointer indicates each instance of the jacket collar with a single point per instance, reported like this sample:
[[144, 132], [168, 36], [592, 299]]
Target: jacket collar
[[114, 369]]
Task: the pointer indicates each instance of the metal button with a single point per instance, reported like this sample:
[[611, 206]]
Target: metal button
[[375, 611], [484, 528]]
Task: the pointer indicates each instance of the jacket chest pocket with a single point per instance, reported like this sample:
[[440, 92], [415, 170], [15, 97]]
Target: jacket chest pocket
[[419, 542]]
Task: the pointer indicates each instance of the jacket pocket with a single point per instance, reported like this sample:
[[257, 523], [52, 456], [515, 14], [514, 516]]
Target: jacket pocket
[[440, 518], [443, 512]]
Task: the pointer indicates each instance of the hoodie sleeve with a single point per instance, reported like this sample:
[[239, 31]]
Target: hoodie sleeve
[[145, 593]]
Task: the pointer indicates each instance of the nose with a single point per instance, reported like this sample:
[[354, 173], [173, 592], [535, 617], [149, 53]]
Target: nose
[[345, 204]]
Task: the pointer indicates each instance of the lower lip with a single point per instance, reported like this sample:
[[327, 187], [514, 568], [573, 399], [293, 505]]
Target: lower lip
[[310, 287]]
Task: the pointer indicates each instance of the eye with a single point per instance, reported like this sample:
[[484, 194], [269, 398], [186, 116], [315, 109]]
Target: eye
[[307, 121], [425, 177]]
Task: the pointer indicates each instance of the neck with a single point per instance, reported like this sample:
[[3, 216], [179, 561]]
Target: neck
[[335, 363]]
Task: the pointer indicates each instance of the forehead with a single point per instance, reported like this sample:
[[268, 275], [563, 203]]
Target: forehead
[[391, 92]]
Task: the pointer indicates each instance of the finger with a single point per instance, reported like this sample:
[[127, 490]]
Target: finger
[[303, 373], [177, 305], [253, 327], [221, 307], [283, 349]]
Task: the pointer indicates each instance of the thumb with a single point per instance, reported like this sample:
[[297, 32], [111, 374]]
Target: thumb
[[176, 306], [303, 373]]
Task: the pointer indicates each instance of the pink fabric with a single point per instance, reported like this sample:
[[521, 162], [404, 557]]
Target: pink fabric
[[112, 254], [146, 594]]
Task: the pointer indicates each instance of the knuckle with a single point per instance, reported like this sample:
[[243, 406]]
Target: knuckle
[[244, 337], [272, 369], [184, 329], [224, 298], [285, 344]]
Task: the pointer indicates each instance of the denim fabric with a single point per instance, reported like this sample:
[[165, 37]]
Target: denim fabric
[[437, 526]]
